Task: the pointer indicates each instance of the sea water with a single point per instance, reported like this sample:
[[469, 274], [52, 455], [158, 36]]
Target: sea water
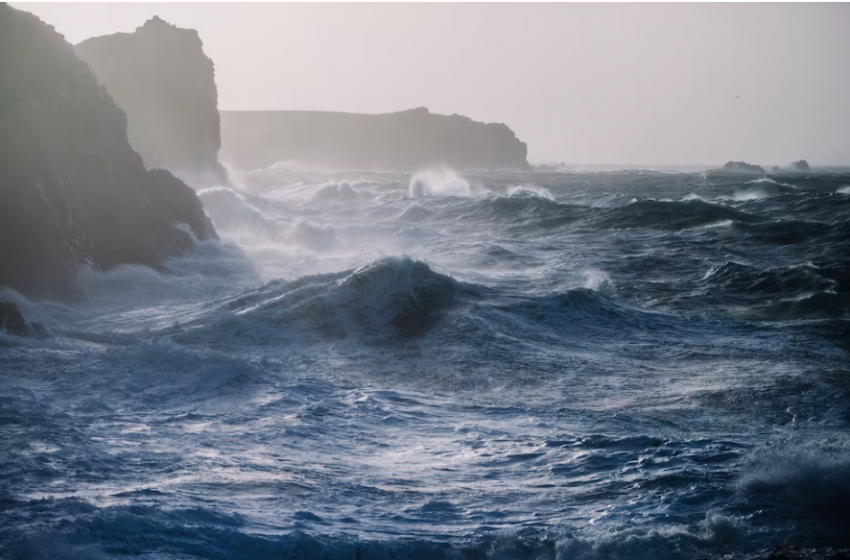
[[609, 365]]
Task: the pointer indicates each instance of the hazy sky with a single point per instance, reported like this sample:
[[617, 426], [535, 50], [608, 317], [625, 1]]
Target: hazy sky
[[581, 83]]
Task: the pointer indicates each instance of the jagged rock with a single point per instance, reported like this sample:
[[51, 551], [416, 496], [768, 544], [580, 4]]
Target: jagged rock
[[11, 319], [801, 165], [72, 190], [742, 167], [165, 83], [407, 140]]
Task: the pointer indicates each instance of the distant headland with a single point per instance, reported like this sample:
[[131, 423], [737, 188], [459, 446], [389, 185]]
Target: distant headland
[[402, 141]]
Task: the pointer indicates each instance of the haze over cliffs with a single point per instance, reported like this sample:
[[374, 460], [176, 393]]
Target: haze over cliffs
[[165, 83], [72, 190], [406, 140]]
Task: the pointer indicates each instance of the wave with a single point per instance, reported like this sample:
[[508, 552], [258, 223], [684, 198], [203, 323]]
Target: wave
[[394, 296], [581, 312], [238, 214], [785, 232], [743, 279], [526, 191], [527, 212], [671, 215], [808, 485], [781, 294], [819, 305], [342, 191], [398, 298], [90, 532], [769, 181], [747, 195], [760, 189], [438, 182], [312, 236]]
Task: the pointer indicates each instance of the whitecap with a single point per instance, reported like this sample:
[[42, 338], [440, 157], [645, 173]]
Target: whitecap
[[530, 191], [438, 182]]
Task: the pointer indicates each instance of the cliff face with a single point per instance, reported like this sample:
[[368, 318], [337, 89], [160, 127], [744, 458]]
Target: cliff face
[[165, 83], [402, 141], [72, 190]]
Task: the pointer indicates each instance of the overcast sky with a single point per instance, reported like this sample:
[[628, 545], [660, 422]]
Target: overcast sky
[[581, 83]]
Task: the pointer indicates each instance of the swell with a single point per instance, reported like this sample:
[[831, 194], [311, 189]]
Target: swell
[[384, 300], [671, 215], [141, 530], [782, 294]]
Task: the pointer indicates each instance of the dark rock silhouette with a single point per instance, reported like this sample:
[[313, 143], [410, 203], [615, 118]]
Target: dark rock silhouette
[[165, 83], [11, 319], [742, 167], [406, 140], [72, 190], [801, 165]]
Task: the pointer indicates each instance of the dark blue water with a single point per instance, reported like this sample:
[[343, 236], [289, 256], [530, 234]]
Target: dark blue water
[[621, 365]]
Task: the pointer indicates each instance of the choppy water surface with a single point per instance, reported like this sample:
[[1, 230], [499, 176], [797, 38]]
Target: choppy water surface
[[624, 365]]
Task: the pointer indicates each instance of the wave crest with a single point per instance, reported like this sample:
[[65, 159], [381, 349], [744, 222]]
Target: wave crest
[[672, 215], [438, 182], [394, 296]]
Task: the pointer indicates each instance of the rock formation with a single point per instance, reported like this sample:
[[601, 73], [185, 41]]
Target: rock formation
[[165, 83], [407, 140], [11, 320], [801, 165], [72, 190], [742, 167]]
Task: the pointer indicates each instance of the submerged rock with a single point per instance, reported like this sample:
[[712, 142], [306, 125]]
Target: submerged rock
[[407, 140], [72, 190], [165, 83]]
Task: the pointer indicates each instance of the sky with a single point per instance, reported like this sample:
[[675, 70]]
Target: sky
[[659, 84]]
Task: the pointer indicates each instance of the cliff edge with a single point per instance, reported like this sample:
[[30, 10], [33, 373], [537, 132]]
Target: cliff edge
[[406, 140], [165, 83], [72, 190]]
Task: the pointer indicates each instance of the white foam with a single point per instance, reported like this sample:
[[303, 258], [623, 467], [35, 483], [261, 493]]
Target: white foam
[[438, 182], [762, 180], [335, 191], [526, 191], [748, 195], [597, 280]]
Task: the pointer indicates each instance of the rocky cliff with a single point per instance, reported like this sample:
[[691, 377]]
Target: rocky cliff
[[72, 190], [165, 83], [406, 140]]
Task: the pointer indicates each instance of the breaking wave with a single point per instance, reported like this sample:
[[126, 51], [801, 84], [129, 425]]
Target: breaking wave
[[438, 182]]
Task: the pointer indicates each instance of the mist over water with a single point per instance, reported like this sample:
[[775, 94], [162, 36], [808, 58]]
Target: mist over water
[[543, 364]]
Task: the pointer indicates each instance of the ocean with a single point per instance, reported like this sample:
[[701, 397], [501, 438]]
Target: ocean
[[481, 365]]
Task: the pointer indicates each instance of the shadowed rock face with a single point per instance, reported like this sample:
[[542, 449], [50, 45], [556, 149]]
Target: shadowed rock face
[[11, 320], [407, 140], [165, 83], [72, 190]]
